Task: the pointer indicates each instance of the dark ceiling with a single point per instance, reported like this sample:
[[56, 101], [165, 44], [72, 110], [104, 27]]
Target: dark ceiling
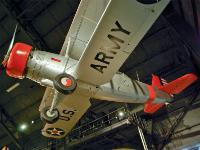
[[170, 49]]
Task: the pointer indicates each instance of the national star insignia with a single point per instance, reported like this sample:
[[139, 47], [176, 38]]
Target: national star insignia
[[55, 131]]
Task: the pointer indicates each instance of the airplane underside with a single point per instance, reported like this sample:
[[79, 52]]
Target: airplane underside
[[88, 64]]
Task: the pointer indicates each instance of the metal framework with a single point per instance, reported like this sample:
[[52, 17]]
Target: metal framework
[[9, 127], [163, 136], [18, 14]]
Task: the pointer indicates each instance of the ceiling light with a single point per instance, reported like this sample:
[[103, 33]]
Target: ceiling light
[[121, 114], [14, 86], [23, 127]]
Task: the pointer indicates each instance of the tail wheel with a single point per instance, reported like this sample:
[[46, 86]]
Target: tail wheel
[[49, 117], [65, 83]]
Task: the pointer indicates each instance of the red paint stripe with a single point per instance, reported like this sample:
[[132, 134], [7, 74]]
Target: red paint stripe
[[55, 59], [149, 106], [152, 93]]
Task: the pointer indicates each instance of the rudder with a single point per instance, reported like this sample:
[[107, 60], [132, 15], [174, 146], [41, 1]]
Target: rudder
[[173, 87]]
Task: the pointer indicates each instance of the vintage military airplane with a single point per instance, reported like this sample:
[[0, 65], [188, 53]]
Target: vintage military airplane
[[102, 35]]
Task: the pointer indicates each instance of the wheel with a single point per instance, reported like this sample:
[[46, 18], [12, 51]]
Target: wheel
[[48, 117], [65, 83]]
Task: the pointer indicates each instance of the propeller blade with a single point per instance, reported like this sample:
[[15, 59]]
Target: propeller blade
[[11, 45]]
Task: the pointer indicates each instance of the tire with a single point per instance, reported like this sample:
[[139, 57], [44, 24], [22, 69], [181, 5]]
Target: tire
[[47, 118], [148, 1], [59, 85]]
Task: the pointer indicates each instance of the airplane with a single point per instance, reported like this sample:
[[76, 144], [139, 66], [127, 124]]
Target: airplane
[[101, 37]]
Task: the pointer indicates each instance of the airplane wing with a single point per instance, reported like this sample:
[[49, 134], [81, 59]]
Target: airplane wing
[[121, 27], [82, 27], [102, 35], [86, 18], [71, 108]]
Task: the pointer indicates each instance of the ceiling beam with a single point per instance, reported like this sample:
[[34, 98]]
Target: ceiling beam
[[27, 26], [6, 119], [171, 131], [10, 134], [195, 15]]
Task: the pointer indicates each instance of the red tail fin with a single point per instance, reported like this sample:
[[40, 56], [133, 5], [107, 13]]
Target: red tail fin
[[174, 87], [156, 81]]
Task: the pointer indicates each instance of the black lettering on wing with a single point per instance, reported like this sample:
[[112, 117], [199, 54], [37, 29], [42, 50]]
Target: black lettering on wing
[[67, 115], [98, 67], [119, 28], [112, 49]]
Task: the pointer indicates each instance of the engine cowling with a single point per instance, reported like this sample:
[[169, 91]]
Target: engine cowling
[[34, 64], [44, 65], [16, 64]]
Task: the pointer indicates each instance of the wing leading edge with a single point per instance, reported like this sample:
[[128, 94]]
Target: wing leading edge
[[86, 18]]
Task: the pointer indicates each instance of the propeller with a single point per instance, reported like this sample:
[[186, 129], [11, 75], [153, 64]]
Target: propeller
[[3, 65]]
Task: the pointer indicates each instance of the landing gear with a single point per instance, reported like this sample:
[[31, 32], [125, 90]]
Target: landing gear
[[65, 83], [49, 116]]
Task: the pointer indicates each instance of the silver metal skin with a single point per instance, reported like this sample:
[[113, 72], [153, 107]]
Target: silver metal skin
[[43, 65], [46, 82], [96, 46], [123, 89]]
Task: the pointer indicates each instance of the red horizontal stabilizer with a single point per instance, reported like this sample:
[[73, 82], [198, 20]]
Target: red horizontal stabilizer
[[174, 87], [151, 108], [178, 85]]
